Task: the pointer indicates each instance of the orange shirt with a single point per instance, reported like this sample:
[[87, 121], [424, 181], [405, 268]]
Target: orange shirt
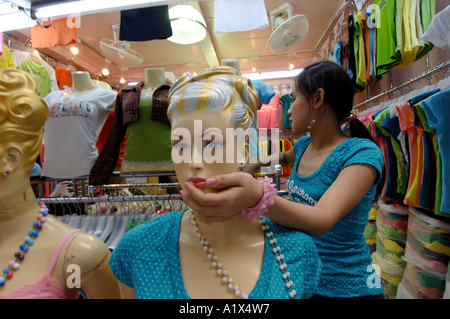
[[54, 33], [63, 77]]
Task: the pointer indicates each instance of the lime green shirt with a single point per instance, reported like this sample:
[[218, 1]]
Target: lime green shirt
[[148, 142], [386, 36]]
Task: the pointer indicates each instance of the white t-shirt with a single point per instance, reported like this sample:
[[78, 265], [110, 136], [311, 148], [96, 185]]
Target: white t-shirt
[[71, 131], [238, 15]]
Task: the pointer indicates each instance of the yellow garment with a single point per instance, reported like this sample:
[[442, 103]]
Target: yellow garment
[[410, 42], [360, 56], [6, 59]]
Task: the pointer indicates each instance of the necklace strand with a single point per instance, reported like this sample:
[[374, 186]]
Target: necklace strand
[[223, 273], [14, 264]]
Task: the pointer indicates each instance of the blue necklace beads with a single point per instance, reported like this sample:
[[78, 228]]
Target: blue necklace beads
[[19, 256]]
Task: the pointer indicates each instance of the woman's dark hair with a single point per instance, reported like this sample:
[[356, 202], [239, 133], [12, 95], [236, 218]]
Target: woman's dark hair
[[339, 92]]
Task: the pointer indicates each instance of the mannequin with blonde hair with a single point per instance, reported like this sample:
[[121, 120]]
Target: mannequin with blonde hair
[[182, 255], [55, 260]]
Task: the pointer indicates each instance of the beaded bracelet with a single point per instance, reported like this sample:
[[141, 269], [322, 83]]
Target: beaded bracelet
[[266, 201]]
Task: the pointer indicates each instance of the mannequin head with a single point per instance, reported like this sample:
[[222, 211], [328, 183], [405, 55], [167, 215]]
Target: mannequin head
[[154, 77], [205, 113], [22, 117], [82, 81]]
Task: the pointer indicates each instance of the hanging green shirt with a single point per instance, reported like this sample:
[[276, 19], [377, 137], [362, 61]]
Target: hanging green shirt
[[38, 73], [148, 146], [386, 36]]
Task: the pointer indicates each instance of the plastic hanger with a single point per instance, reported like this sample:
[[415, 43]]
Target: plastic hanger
[[121, 231]]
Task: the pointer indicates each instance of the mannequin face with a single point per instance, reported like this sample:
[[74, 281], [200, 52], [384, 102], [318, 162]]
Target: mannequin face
[[203, 147]]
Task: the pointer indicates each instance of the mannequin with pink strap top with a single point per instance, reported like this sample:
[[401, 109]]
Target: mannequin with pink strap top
[[61, 258]]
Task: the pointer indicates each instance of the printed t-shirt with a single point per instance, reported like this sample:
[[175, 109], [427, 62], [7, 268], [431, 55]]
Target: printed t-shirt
[[343, 250], [71, 131], [39, 70]]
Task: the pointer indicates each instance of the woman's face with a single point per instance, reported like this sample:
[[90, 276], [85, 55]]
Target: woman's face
[[299, 113], [203, 145]]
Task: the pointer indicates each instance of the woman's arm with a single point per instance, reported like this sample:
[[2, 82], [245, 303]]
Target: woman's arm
[[241, 190], [283, 158]]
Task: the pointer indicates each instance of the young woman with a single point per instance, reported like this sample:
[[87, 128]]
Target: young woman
[[183, 255], [332, 186]]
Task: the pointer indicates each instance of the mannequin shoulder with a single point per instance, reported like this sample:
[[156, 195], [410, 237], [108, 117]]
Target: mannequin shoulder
[[87, 250]]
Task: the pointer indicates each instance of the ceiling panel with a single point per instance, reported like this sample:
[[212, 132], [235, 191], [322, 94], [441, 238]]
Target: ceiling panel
[[248, 46]]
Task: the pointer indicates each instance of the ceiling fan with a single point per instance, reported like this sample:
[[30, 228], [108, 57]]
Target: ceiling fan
[[120, 50], [287, 29]]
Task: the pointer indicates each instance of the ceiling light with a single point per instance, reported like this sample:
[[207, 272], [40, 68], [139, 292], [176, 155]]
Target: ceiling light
[[105, 72], [122, 80], [273, 75], [188, 25], [291, 66], [91, 7], [74, 50], [15, 21]]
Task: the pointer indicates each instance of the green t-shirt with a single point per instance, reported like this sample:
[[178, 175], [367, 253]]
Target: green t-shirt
[[38, 73], [148, 142], [427, 12], [386, 36]]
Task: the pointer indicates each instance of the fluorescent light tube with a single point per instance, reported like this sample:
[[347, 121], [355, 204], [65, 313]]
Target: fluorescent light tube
[[90, 7], [15, 21], [273, 74]]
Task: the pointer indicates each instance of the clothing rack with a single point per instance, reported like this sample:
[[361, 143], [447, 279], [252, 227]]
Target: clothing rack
[[364, 105], [105, 199], [137, 185], [49, 54]]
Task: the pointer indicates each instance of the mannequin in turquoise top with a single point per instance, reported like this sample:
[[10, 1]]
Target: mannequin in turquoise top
[[164, 257]]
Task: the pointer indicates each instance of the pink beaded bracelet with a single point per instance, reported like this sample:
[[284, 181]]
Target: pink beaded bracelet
[[266, 201]]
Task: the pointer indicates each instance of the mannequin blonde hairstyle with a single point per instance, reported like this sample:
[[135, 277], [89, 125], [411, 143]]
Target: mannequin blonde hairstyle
[[220, 90], [22, 115]]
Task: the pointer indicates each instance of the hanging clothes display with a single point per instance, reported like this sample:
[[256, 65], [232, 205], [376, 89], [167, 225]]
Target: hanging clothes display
[[71, 131], [235, 15], [41, 72], [145, 24], [6, 59], [63, 78], [54, 33]]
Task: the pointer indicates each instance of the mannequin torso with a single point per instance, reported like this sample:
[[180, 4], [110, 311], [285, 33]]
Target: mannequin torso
[[237, 242], [22, 132], [153, 135], [18, 212]]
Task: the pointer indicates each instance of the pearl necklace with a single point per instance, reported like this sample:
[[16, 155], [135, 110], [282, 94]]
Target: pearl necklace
[[14, 264], [223, 273]]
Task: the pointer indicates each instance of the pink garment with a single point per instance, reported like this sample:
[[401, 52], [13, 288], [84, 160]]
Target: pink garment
[[45, 288], [267, 116]]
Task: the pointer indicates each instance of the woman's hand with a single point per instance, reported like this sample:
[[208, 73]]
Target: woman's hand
[[235, 191]]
